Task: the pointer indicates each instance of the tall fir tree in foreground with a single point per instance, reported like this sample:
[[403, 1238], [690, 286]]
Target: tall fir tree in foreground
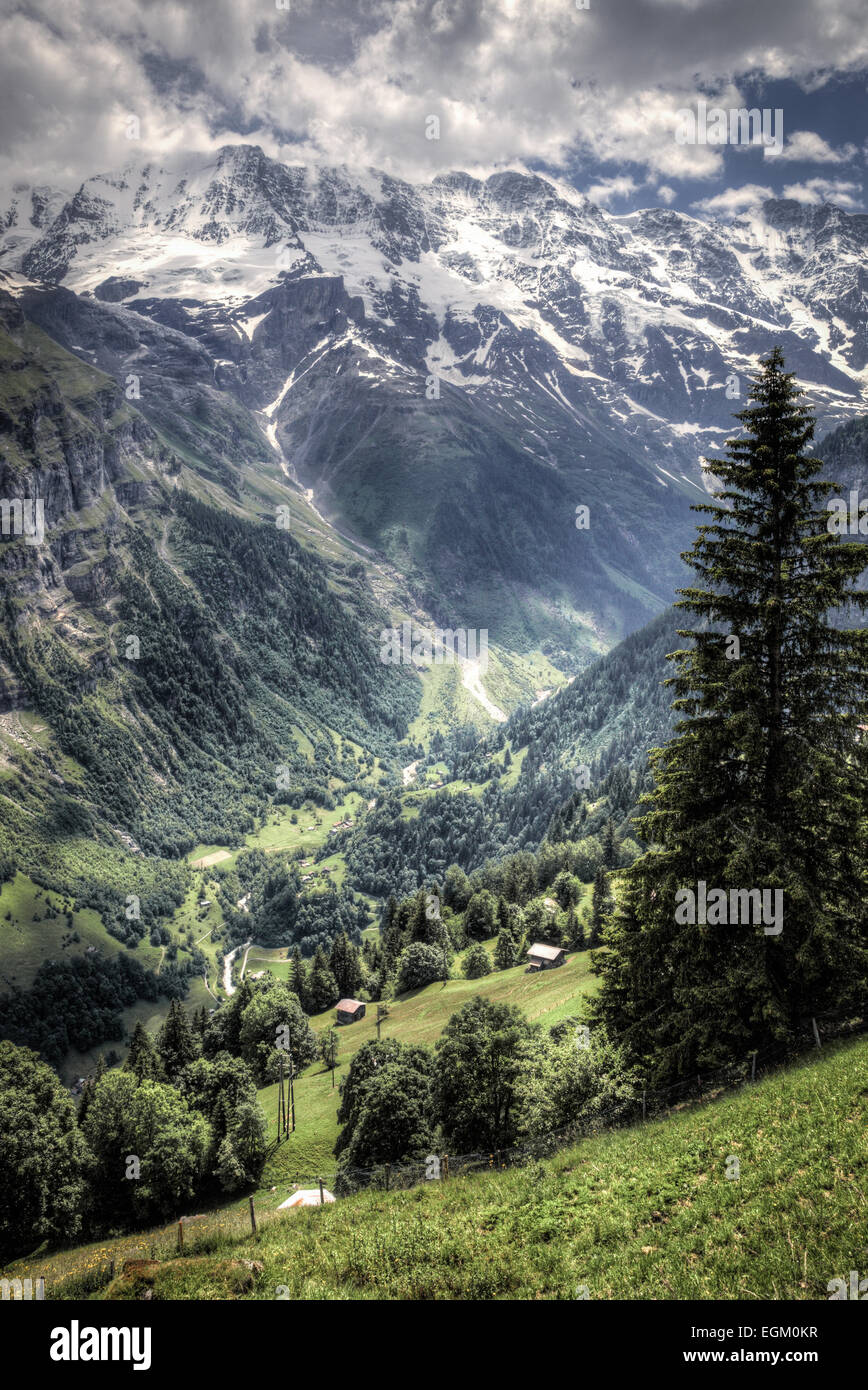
[[764, 784]]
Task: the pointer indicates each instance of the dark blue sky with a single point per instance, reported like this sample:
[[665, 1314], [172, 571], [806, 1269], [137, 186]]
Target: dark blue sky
[[837, 112]]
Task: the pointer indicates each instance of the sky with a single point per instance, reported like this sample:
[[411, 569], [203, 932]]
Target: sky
[[590, 90]]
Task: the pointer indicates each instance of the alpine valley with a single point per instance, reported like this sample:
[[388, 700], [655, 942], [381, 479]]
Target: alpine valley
[[272, 410]]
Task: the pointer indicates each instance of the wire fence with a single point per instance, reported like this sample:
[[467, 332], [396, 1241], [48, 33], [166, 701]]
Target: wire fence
[[77, 1273], [638, 1108]]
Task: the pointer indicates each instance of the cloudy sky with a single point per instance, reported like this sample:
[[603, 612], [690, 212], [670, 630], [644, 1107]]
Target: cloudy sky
[[590, 93]]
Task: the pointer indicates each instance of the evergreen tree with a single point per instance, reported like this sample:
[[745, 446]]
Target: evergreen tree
[[87, 1089], [425, 919], [575, 931], [503, 918], [763, 786], [610, 845], [601, 906], [298, 980], [322, 985], [390, 931], [176, 1042], [504, 951], [248, 1133], [143, 1060], [228, 1169], [344, 965]]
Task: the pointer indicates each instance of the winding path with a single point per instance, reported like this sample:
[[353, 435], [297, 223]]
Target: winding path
[[471, 679], [227, 967]]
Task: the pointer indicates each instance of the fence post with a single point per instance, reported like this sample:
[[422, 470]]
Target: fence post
[[252, 1216], [699, 1079], [816, 1032], [388, 1168], [321, 1197], [40, 1287], [753, 1067], [181, 1234], [445, 1168]]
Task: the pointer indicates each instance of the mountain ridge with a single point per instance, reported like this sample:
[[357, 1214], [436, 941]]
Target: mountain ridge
[[450, 369]]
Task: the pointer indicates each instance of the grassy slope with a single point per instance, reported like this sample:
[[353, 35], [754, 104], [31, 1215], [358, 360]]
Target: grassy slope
[[25, 944], [509, 680], [418, 1017], [277, 831], [644, 1213]]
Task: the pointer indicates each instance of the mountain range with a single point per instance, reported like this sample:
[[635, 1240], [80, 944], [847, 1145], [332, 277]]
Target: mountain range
[[446, 371]]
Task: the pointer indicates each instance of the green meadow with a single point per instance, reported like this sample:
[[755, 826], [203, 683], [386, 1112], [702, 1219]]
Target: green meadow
[[418, 1017], [648, 1212]]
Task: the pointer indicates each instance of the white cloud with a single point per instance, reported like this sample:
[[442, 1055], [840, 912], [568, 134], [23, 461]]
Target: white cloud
[[840, 191], [620, 186], [733, 201], [810, 148], [354, 80]]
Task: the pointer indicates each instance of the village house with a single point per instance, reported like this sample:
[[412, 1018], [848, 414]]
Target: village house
[[542, 957], [350, 1010]]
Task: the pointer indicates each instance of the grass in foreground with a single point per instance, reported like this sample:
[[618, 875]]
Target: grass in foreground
[[644, 1213]]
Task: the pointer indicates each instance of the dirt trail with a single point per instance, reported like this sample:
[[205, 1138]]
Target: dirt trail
[[227, 967], [471, 679]]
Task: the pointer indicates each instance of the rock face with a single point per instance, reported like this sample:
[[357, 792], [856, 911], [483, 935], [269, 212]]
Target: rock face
[[63, 449], [72, 456], [117, 288], [13, 694], [452, 367]]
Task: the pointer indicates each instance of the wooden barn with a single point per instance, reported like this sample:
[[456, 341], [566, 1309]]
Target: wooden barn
[[542, 957], [350, 1010]]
